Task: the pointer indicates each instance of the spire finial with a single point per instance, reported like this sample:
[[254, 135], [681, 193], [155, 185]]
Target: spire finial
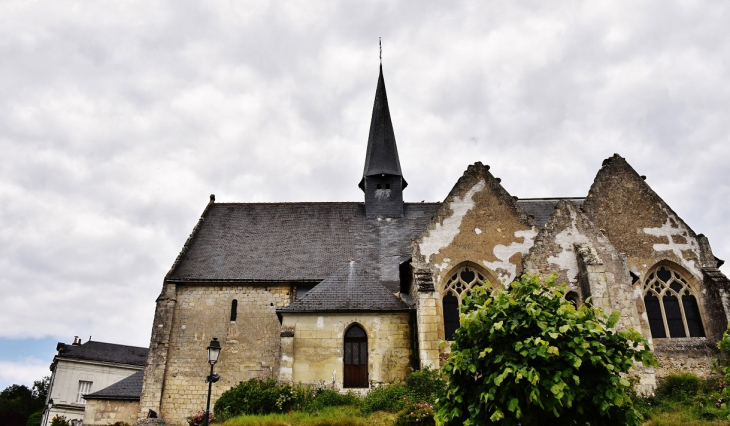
[[380, 44]]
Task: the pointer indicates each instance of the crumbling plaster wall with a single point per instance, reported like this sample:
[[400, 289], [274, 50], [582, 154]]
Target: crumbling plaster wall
[[312, 346], [480, 223], [648, 232], [250, 345]]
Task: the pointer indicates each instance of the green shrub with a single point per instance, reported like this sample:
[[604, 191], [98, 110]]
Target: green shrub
[[385, 398], [34, 419], [255, 396], [425, 385], [524, 355], [679, 387]]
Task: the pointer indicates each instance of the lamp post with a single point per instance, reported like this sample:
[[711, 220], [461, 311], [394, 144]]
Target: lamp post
[[214, 350]]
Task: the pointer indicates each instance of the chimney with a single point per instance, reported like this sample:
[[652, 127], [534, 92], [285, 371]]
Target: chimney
[[77, 341]]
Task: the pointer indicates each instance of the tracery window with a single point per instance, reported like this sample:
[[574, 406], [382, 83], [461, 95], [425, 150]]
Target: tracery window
[[458, 286], [671, 306]]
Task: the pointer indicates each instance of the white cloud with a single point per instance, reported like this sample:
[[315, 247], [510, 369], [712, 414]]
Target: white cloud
[[23, 372]]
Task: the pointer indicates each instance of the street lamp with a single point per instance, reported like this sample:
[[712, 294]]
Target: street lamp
[[214, 350]]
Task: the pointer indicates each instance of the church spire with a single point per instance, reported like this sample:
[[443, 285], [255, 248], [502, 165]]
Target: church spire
[[382, 179], [382, 153]]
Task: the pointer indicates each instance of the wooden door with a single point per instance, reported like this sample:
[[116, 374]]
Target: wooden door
[[356, 358]]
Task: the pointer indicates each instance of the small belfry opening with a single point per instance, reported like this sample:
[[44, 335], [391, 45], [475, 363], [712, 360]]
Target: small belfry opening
[[459, 284], [355, 374], [671, 305]]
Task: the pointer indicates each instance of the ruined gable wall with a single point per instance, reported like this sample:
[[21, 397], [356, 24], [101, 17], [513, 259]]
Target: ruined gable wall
[[250, 344], [556, 251], [479, 222], [643, 227], [315, 353]]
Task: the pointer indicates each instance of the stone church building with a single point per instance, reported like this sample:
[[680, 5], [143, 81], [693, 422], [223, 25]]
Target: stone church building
[[357, 294]]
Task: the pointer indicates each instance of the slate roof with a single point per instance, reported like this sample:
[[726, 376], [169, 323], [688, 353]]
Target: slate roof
[[297, 242], [351, 288], [104, 352], [382, 153], [127, 389], [541, 208]]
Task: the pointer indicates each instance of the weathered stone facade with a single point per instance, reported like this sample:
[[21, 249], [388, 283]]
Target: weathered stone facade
[[104, 412], [251, 343]]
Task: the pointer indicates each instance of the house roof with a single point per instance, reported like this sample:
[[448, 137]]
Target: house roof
[[382, 153], [540, 209], [103, 352], [351, 288], [297, 242], [129, 389]]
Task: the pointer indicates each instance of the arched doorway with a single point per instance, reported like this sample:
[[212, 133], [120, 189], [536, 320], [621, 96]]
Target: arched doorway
[[356, 358]]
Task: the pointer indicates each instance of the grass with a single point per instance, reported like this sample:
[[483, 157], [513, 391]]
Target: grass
[[329, 416]]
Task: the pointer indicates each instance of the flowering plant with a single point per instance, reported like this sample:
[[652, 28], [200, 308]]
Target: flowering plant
[[416, 414], [197, 419]]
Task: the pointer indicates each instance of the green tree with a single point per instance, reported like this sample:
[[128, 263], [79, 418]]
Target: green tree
[[524, 355], [18, 402]]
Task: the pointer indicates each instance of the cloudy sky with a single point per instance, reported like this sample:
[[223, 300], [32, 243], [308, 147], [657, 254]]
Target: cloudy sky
[[119, 119]]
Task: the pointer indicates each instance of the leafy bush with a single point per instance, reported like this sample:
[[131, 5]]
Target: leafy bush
[[385, 398], [679, 387], [35, 419], [425, 385], [416, 414], [251, 397], [525, 355]]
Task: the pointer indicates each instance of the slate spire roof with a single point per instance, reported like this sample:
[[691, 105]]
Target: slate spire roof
[[352, 287], [382, 153]]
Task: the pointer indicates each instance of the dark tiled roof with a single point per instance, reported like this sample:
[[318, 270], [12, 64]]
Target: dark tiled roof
[[382, 153], [298, 242], [104, 352], [351, 288], [540, 209], [129, 389]]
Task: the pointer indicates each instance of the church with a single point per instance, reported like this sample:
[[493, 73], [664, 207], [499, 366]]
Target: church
[[354, 295]]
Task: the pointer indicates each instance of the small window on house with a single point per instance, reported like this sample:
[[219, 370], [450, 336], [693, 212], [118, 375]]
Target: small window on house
[[457, 287], [379, 186], [84, 388], [387, 186], [302, 291], [671, 307], [234, 310]]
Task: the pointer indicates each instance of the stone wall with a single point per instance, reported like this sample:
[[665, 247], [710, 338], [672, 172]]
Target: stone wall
[[250, 344], [312, 348], [104, 411]]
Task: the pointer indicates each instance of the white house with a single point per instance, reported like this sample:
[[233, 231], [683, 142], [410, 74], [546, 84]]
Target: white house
[[80, 369]]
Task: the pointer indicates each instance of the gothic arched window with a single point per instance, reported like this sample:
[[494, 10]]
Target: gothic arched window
[[671, 307], [458, 286]]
